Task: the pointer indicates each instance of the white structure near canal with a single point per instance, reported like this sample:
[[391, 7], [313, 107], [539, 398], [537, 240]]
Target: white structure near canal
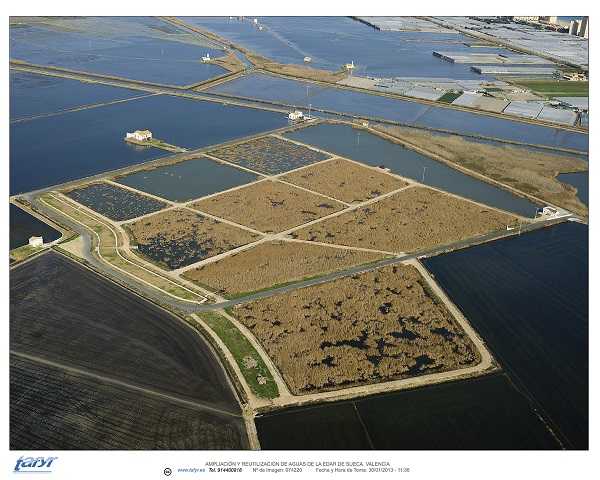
[[139, 135], [36, 242], [296, 115]]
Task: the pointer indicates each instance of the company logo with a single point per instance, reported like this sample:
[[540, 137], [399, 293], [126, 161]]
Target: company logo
[[34, 464]]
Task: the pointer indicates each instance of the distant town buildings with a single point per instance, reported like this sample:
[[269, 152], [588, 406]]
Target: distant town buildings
[[140, 135], [36, 242]]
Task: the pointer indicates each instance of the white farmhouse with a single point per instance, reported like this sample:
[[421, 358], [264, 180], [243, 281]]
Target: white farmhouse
[[140, 135], [296, 115], [36, 242]]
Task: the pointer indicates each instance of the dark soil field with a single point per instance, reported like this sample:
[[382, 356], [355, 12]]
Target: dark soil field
[[268, 206], [377, 326], [177, 238], [407, 221], [530, 304], [114, 202], [62, 312], [485, 413], [274, 263], [56, 410], [269, 155], [345, 180]]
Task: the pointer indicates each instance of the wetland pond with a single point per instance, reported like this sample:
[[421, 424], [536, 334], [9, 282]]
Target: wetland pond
[[373, 150], [188, 180], [23, 225]]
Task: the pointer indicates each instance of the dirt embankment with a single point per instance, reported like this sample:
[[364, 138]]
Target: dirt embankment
[[526, 170], [300, 71], [381, 325], [274, 263], [408, 221], [230, 62]]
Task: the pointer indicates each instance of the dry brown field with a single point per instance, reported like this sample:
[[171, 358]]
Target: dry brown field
[[378, 326], [345, 180], [272, 263], [179, 237], [270, 155], [407, 221], [526, 170], [268, 206]]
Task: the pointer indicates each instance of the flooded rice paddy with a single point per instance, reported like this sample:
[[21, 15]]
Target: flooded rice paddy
[[138, 48], [24, 225], [188, 180], [302, 94], [373, 150], [88, 142], [530, 305], [32, 95], [334, 41], [486, 413]]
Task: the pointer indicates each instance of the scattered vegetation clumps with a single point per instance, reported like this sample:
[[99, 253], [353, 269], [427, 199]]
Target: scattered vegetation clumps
[[268, 206], [413, 219], [527, 170], [347, 181], [273, 263], [378, 326], [179, 237], [113, 202], [270, 155]]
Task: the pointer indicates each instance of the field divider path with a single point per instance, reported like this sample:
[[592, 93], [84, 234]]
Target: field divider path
[[340, 247], [81, 209], [113, 381]]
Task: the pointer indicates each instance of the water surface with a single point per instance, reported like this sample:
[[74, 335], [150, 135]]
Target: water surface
[[373, 150], [303, 94], [529, 303], [581, 181], [23, 225], [188, 180], [87, 142]]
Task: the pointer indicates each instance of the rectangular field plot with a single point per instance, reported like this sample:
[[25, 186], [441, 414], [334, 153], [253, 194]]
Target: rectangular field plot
[[177, 238], [65, 313], [83, 413], [269, 206], [114, 202], [187, 180], [274, 263], [270, 155], [407, 221], [344, 180], [377, 326], [483, 413]]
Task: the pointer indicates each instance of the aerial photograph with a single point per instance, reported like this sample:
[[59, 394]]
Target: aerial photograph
[[346, 233]]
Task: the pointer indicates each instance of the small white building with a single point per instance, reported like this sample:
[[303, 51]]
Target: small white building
[[206, 58], [140, 135], [307, 59], [36, 242], [296, 115], [350, 66]]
